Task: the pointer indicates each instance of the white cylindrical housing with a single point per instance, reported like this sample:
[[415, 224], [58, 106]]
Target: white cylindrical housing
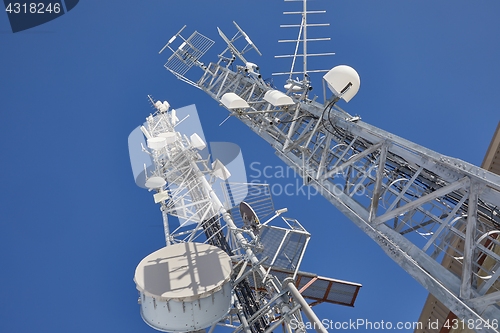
[[232, 101], [169, 136], [184, 287], [277, 98], [157, 143]]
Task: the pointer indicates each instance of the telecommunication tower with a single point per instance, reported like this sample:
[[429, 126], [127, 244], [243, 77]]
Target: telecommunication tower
[[223, 264], [418, 205]]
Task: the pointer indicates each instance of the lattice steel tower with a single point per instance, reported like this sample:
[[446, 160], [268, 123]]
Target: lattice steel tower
[[418, 205], [222, 265]]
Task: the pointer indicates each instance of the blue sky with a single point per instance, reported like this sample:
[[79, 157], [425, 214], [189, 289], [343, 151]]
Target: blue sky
[[73, 225]]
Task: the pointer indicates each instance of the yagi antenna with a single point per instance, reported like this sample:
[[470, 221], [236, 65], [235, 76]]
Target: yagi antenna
[[230, 43], [231, 47], [171, 40], [249, 41], [302, 39], [151, 100]]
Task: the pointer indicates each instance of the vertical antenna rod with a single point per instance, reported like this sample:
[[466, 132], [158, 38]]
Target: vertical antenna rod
[[304, 45]]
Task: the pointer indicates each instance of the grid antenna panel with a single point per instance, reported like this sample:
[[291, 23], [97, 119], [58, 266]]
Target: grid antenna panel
[[318, 289], [188, 54], [284, 248], [256, 195]]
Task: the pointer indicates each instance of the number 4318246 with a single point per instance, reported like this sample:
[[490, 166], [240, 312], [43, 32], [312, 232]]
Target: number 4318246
[[33, 8]]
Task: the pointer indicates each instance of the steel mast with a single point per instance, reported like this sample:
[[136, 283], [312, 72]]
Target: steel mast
[[264, 293], [417, 204]]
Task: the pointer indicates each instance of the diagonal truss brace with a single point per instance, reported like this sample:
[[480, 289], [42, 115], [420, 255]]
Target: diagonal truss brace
[[309, 146], [336, 152]]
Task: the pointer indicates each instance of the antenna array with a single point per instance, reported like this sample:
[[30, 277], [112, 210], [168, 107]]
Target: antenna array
[[187, 54], [418, 205], [302, 40], [214, 270]]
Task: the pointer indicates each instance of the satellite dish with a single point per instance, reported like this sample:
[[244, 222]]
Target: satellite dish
[[155, 182], [249, 217], [343, 81]]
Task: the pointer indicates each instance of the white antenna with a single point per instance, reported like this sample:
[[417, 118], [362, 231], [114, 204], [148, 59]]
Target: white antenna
[[230, 43], [249, 41], [187, 54], [303, 39], [343, 81], [208, 273], [171, 40], [416, 204]]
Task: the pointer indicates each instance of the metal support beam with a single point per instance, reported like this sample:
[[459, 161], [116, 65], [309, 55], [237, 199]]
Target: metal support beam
[[378, 183], [351, 161], [318, 326], [434, 197], [470, 236], [488, 299], [426, 198]]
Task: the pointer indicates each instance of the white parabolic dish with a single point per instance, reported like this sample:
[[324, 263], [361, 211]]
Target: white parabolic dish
[[184, 287]]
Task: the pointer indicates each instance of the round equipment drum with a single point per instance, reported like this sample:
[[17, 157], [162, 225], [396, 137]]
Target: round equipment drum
[[184, 287]]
